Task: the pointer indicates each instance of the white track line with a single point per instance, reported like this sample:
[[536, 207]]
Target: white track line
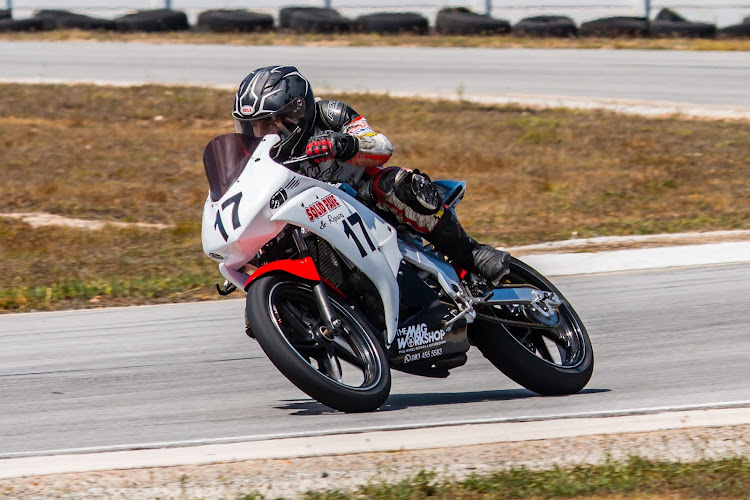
[[375, 441]]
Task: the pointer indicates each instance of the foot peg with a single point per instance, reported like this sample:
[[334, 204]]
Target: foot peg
[[226, 289]]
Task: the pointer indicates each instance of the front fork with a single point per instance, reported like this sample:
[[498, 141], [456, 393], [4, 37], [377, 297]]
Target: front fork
[[327, 313], [331, 324]]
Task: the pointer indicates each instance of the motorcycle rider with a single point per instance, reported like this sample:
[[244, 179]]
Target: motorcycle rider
[[279, 100]]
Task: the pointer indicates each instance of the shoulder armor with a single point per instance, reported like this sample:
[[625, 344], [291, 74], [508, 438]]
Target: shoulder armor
[[334, 115]]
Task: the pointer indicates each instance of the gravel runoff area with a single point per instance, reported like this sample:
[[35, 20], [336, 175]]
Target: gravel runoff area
[[291, 477]]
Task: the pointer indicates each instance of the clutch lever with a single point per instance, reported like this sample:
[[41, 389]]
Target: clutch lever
[[301, 159]]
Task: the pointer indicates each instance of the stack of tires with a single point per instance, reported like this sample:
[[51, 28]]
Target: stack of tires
[[234, 21], [614, 27], [462, 21], [392, 22], [546, 26], [668, 23], [314, 20], [63, 19], [150, 21], [7, 23], [736, 30]]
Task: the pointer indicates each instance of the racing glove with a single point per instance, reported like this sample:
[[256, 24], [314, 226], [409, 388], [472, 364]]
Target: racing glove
[[336, 145]]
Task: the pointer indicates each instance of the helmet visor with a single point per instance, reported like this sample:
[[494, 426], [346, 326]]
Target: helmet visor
[[283, 122]]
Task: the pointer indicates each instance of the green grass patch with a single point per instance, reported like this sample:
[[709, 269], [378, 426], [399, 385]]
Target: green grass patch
[[634, 478], [53, 268]]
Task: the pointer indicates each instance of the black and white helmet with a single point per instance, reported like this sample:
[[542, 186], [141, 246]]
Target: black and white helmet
[[277, 92]]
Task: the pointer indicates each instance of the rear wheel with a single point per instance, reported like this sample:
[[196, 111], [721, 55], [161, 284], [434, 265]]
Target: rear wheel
[[548, 355], [348, 372]]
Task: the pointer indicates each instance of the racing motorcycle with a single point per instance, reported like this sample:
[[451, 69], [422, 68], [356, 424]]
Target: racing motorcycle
[[337, 296]]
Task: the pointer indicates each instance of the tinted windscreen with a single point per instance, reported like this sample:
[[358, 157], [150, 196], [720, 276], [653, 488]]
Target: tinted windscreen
[[225, 158]]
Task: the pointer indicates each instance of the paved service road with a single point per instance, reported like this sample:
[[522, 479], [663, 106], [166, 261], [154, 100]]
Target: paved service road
[[705, 78], [164, 374]]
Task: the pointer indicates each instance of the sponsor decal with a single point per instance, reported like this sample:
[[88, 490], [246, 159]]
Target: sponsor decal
[[247, 110], [331, 109], [429, 353], [321, 207], [278, 199], [216, 256], [417, 336], [280, 196]]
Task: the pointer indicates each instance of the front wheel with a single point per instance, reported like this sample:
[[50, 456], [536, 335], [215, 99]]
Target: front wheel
[[348, 372], [547, 355]]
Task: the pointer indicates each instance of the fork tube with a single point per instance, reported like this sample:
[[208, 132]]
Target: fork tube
[[300, 242], [325, 308]]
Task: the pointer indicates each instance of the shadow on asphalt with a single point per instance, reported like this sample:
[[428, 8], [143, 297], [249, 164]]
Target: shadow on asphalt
[[397, 402]]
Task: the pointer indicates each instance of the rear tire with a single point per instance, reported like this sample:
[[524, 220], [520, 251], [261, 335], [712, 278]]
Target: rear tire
[[349, 374], [552, 360]]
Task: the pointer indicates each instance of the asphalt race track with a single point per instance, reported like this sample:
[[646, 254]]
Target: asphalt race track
[[701, 78], [111, 378]]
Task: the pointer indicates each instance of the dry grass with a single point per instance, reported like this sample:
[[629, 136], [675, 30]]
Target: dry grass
[[360, 39], [134, 154]]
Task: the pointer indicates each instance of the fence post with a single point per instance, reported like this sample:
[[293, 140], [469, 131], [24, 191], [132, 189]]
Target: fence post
[[327, 4], [10, 4], [647, 8], [168, 4], [488, 7]]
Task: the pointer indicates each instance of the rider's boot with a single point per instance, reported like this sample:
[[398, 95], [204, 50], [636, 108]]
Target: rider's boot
[[465, 252]]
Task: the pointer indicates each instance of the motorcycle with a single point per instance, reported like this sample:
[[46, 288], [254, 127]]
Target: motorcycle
[[337, 296]]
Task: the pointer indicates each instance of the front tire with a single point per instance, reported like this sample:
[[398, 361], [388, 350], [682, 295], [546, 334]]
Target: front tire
[[549, 360], [349, 373]]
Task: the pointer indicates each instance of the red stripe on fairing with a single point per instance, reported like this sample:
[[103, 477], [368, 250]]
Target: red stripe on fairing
[[304, 268]]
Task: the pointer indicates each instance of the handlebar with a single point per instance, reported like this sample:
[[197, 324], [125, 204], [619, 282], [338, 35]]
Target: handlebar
[[301, 159]]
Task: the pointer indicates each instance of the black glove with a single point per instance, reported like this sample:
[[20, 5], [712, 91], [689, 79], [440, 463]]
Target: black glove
[[333, 144]]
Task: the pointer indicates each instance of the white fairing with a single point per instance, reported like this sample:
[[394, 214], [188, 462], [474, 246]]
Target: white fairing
[[267, 196]]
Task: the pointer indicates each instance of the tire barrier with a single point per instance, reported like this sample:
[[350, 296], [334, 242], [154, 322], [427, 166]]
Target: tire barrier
[[152, 21], [669, 15], [546, 26], [396, 22], [462, 21], [233, 21], [614, 27], [318, 20], [450, 21], [668, 23], [285, 14], [9, 24], [664, 29], [736, 30], [63, 19]]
